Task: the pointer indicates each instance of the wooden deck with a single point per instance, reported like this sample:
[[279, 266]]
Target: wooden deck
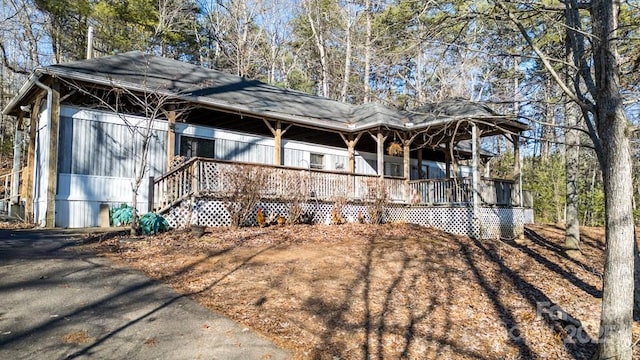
[[215, 178]]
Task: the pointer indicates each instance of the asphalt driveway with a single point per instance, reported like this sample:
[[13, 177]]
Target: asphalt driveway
[[61, 304]]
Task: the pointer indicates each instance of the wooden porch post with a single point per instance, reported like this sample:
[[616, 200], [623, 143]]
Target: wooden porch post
[[517, 173], [52, 182], [31, 153], [380, 153], [419, 155], [171, 138], [475, 149], [351, 143], [351, 149], [151, 194], [277, 133], [379, 138], [406, 162], [277, 154], [447, 163], [15, 176], [455, 168]]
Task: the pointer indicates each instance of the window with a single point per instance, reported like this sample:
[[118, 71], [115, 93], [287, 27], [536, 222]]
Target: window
[[317, 161], [192, 147], [396, 169]]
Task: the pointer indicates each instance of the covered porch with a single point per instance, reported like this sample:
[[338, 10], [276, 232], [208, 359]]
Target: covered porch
[[462, 202], [199, 192]]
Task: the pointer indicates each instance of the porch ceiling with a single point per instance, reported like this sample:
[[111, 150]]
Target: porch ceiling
[[432, 140]]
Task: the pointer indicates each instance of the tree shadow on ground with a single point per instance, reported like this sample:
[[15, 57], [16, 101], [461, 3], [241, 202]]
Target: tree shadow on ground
[[552, 266], [381, 302], [586, 242], [403, 297], [382, 299], [576, 341], [134, 295]]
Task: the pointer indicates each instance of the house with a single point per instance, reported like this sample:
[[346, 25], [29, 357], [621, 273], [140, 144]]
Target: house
[[87, 125]]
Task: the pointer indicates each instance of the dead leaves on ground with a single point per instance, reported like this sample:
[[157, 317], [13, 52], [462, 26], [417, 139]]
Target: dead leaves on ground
[[77, 337], [362, 291]]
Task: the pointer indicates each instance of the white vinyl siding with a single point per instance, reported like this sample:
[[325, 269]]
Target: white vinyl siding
[[97, 162], [89, 145], [244, 151]]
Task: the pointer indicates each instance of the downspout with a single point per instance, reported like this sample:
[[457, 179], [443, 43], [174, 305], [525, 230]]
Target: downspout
[[49, 112], [49, 98]]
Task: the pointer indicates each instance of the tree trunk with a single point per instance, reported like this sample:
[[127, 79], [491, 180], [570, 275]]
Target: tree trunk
[[318, 36], [572, 156], [548, 128], [347, 57], [367, 54], [617, 294], [133, 231], [420, 65]]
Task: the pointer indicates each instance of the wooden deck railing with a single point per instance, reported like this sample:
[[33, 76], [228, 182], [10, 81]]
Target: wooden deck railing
[[460, 191], [201, 176], [208, 177], [6, 183]]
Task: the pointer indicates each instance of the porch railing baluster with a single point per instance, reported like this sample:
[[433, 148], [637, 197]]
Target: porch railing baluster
[[210, 177]]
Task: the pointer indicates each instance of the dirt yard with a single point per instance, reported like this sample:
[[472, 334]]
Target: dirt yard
[[387, 292]]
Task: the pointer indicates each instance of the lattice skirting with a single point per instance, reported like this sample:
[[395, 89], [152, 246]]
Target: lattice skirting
[[492, 222]]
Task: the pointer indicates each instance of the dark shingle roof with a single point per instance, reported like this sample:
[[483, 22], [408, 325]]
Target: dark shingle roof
[[136, 70]]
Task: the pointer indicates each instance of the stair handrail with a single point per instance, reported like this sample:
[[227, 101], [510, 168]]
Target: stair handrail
[[157, 203], [177, 169]]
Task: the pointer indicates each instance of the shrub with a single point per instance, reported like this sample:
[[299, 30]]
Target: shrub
[[376, 208], [121, 216], [152, 223], [246, 185]]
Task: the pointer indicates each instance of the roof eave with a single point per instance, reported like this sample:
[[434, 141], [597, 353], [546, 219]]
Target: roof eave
[[313, 122], [24, 90], [298, 119]]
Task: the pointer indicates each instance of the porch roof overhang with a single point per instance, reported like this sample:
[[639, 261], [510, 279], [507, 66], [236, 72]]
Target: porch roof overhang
[[215, 90]]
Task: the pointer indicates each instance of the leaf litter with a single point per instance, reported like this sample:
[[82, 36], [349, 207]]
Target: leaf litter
[[360, 291]]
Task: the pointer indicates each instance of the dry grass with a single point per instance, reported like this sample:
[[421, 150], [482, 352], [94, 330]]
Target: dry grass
[[387, 292]]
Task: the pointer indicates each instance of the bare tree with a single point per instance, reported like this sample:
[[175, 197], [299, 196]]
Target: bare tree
[[149, 105], [367, 53], [617, 294], [603, 106], [572, 156], [316, 16]]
